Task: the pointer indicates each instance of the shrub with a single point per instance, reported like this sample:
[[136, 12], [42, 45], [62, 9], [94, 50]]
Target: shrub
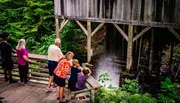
[[130, 86], [168, 92], [118, 96]]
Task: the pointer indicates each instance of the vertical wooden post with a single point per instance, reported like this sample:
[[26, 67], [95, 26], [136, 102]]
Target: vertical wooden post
[[29, 74], [89, 51], [136, 48], [123, 41], [129, 48], [171, 52], [151, 51], [57, 28], [92, 96], [139, 55]]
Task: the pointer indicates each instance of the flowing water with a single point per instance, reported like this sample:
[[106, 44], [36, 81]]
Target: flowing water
[[106, 64]]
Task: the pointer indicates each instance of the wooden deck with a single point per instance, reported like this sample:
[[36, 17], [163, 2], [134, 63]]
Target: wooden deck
[[31, 93], [35, 91]]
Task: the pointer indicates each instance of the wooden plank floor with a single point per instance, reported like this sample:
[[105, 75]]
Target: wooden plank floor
[[31, 93]]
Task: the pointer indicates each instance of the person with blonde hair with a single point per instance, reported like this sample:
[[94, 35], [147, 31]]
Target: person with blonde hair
[[60, 73], [23, 59], [54, 55], [76, 68]]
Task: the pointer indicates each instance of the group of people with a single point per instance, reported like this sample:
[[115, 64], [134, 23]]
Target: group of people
[[59, 65], [6, 51]]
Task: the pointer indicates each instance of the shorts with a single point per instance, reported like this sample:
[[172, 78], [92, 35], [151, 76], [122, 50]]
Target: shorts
[[8, 65], [59, 81], [52, 66]]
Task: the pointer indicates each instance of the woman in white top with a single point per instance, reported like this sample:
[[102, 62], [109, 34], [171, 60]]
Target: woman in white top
[[54, 55]]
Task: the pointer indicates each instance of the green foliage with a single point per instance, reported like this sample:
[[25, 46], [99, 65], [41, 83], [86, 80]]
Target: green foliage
[[42, 47], [118, 96], [142, 98], [165, 99], [73, 39], [127, 94], [34, 21], [176, 55], [130, 86], [110, 96], [27, 18], [168, 92], [104, 77]]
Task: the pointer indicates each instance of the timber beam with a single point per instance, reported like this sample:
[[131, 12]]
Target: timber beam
[[57, 28], [125, 35], [129, 49], [60, 26], [175, 33], [82, 27], [89, 33], [141, 33], [121, 31], [63, 24], [89, 50]]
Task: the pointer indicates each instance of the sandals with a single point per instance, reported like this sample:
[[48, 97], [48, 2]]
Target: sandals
[[59, 98]]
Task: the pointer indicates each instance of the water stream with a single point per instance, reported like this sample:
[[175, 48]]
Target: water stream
[[106, 64]]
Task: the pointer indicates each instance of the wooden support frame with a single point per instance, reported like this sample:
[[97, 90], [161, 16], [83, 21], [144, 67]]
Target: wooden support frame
[[136, 37], [89, 51], [139, 55], [98, 27], [175, 33], [151, 52], [63, 24], [129, 49], [141, 33], [57, 28], [89, 34], [121, 31], [82, 27], [171, 52], [130, 39], [60, 26]]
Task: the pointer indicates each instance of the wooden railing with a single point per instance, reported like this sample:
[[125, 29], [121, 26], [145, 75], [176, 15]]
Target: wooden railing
[[38, 68], [38, 73], [89, 92]]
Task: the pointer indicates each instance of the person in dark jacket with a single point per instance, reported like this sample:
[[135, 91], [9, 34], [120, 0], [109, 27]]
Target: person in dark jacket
[[6, 57]]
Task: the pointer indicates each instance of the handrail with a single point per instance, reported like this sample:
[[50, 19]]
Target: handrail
[[38, 73], [38, 68], [35, 56]]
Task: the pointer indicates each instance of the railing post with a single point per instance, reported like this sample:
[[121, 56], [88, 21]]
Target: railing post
[[87, 65], [29, 73], [92, 96]]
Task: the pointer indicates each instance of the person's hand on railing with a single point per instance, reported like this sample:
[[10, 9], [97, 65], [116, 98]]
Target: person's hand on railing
[[29, 61]]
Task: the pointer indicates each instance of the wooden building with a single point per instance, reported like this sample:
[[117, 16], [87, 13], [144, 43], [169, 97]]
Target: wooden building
[[146, 13]]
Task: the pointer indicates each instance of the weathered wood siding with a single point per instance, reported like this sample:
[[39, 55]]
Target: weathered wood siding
[[157, 12]]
